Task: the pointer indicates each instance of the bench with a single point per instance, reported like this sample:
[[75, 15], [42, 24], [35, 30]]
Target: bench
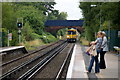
[[117, 49]]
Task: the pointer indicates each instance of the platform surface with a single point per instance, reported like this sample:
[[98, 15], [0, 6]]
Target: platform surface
[[80, 62], [77, 66], [112, 67]]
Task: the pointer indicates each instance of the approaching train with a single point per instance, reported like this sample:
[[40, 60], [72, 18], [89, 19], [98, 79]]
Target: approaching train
[[72, 35]]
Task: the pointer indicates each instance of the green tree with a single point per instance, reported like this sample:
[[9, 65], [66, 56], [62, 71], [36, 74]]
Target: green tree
[[62, 16], [100, 15], [8, 16], [34, 16], [51, 16], [27, 32], [9, 23]]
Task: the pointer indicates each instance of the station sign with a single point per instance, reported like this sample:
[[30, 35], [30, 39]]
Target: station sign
[[10, 36]]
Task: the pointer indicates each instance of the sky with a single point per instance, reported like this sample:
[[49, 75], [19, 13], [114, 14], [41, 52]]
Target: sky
[[71, 7]]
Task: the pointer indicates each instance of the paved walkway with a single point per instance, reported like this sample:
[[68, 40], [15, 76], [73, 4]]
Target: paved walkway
[[112, 67], [77, 65]]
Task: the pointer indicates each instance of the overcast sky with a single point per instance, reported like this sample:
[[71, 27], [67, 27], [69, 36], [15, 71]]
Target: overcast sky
[[71, 7]]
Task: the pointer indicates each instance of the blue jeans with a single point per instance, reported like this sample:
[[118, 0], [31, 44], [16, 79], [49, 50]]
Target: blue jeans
[[94, 58]]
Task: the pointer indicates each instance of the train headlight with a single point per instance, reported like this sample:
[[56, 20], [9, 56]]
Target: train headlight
[[68, 36]]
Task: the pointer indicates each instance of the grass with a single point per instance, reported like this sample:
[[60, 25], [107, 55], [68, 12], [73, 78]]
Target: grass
[[31, 45], [84, 41]]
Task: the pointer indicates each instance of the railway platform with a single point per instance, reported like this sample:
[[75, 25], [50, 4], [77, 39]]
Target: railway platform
[[8, 53], [7, 49], [80, 62], [77, 65]]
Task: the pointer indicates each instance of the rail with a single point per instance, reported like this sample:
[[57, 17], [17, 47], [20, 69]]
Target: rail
[[9, 73], [29, 74], [59, 74], [26, 55]]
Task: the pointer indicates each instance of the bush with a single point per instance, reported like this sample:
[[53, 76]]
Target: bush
[[51, 38], [84, 41], [15, 39], [31, 45], [35, 36], [27, 32], [48, 38], [4, 37]]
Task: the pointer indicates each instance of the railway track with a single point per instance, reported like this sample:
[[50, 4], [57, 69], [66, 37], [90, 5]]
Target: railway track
[[28, 65], [8, 66], [18, 58], [41, 65], [57, 67]]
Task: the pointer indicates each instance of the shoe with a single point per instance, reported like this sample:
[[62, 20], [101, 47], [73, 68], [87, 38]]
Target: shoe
[[97, 72], [87, 72], [102, 68]]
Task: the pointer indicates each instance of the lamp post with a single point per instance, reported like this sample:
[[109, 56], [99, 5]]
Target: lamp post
[[100, 13], [100, 18], [101, 25], [94, 6]]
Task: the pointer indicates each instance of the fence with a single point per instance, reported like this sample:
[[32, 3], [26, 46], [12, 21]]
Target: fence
[[113, 37]]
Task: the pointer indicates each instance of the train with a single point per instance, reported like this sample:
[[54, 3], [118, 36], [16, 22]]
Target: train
[[72, 35]]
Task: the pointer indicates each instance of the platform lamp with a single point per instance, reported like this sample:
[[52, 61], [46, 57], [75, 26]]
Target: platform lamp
[[100, 17], [100, 13], [101, 25]]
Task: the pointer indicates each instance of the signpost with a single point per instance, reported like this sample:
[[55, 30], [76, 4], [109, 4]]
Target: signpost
[[9, 38]]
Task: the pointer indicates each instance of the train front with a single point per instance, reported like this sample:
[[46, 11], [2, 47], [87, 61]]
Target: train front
[[71, 35]]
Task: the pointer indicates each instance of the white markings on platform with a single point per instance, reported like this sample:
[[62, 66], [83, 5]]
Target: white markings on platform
[[70, 69], [77, 66]]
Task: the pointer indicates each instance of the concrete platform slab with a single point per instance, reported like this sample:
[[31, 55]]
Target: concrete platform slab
[[77, 66], [112, 67]]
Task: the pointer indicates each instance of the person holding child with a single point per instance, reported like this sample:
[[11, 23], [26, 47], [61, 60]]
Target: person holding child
[[94, 51]]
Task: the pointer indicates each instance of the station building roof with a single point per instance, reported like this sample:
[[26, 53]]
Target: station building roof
[[64, 23]]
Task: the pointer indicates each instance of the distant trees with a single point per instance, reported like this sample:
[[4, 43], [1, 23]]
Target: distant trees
[[55, 15], [62, 16], [32, 15], [99, 15]]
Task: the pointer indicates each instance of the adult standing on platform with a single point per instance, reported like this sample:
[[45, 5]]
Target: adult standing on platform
[[103, 51], [97, 44]]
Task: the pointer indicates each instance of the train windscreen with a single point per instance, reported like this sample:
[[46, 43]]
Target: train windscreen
[[71, 32]]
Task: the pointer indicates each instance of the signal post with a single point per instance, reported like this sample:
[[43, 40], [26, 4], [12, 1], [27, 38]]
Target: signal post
[[19, 25]]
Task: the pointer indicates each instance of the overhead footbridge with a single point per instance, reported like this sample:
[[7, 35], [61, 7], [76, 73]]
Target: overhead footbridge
[[53, 26]]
